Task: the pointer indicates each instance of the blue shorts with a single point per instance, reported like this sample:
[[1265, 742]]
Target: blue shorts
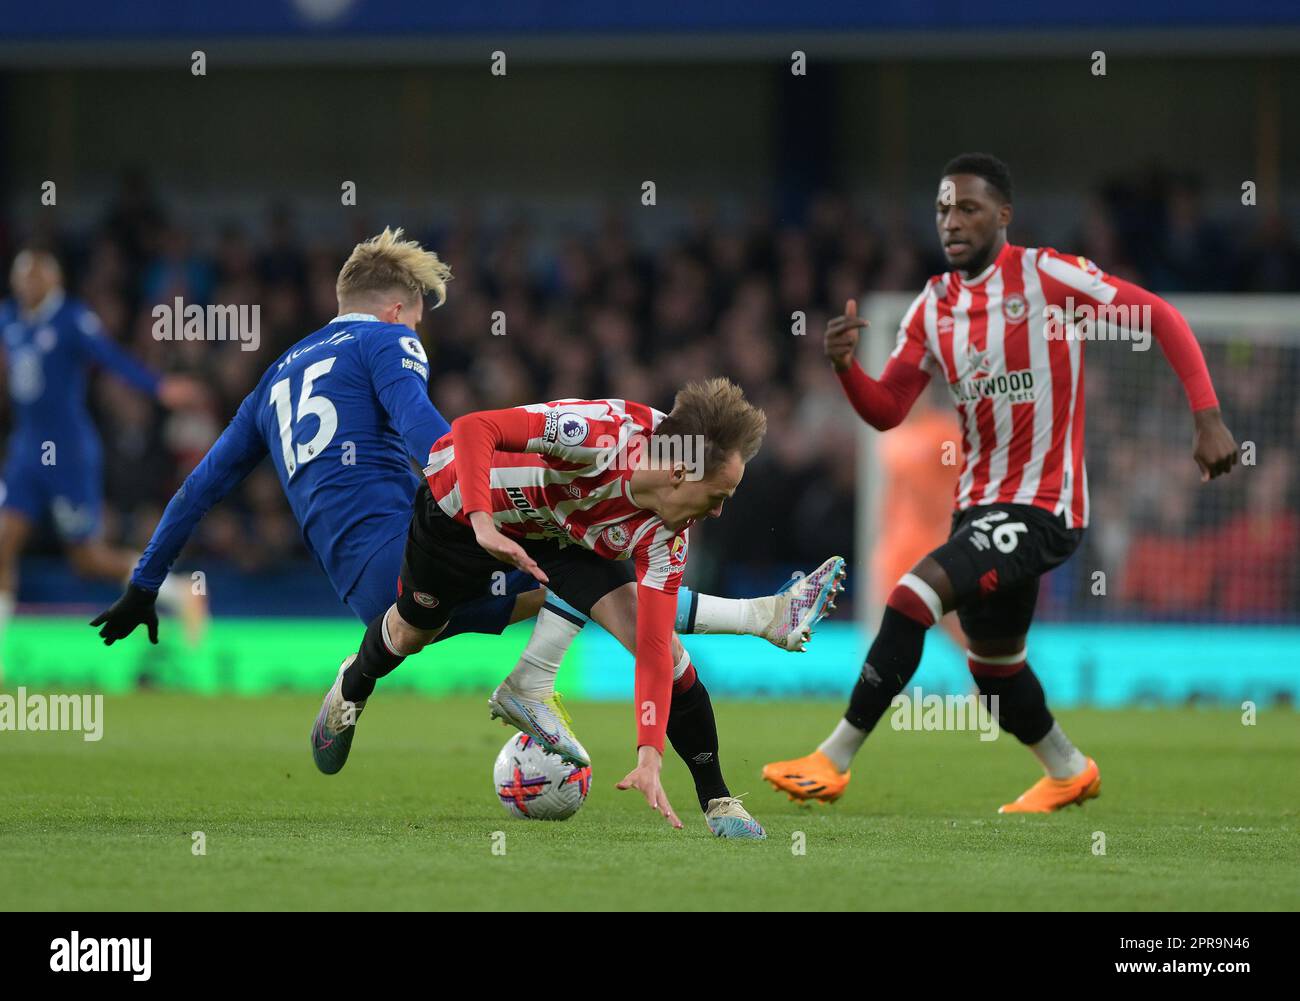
[[376, 589], [63, 478]]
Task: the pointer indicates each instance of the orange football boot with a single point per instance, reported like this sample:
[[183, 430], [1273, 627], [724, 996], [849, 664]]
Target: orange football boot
[[1048, 794], [812, 777]]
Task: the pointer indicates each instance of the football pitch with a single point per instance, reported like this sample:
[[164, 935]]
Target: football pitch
[[1197, 811]]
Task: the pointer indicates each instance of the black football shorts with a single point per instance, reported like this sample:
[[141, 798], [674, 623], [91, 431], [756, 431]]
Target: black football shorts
[[444, 566], [994, 557]]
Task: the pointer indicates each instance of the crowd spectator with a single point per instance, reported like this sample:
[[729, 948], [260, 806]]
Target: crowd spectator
[[603, 313]]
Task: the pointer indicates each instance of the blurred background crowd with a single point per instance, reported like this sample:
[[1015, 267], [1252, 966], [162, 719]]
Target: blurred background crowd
[[609, 309]]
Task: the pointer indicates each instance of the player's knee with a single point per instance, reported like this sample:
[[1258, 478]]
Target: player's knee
[[1000, 646], [405, 639], [935, 577], [616, 613], [995, 660], [683, 670], [527, 605], [916, 599]]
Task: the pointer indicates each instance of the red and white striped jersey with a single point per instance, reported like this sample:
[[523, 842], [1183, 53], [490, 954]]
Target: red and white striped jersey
[[1018, 391], [561, 470]]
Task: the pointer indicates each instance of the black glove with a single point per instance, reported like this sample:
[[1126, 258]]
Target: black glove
[[134, 608]]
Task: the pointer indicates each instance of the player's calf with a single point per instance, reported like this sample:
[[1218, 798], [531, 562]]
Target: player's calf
[[388, 641], [912, 608], [693, 732], [94, 559]]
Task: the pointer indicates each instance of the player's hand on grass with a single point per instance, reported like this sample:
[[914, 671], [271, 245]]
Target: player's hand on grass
[[842, 336], [134, 608], [504, 548], [1214, 447], [645, 778]]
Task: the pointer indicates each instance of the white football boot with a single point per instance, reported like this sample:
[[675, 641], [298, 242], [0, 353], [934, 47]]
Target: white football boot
[[788, 617], [335, 726], [544, 719], [728, 818]]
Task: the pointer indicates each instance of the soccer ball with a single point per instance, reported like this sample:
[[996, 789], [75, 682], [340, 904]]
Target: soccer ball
[[533, 784]]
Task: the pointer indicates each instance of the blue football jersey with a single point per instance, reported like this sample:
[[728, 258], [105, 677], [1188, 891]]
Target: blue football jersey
[[48, 353], [339, 414]]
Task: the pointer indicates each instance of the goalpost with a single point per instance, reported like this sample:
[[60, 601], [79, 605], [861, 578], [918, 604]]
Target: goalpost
[[1168, 548]]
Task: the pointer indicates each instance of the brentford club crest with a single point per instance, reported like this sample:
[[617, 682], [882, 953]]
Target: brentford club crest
[[1014, 308], [617, 536]]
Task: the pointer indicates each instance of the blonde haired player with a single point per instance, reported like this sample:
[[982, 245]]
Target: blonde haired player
[[341, 415]]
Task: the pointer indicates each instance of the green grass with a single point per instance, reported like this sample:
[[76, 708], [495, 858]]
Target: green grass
[[1198, 811]]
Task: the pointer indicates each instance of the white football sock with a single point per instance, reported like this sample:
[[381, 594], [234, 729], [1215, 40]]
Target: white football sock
[[734, 616], [1060, 758], [683, 662], [842, 744], [534, 674]]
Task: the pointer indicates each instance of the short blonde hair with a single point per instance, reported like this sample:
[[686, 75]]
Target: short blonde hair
[[386, 263], [717, 411]]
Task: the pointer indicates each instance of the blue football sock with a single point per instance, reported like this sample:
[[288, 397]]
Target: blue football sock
[[561, 607], [687, 600]]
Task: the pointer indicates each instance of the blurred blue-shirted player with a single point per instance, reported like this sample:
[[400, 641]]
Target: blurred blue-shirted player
[[53, 459], [341, 414]]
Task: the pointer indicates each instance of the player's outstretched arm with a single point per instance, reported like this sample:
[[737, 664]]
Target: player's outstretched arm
[[175, 392], [883, 402], [228, 461], [654, 692], [504, 548], [1214, 448], [103, 351]]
